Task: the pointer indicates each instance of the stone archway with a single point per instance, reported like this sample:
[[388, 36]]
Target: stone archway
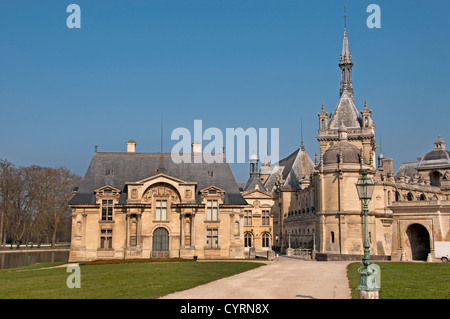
[[419, 241]]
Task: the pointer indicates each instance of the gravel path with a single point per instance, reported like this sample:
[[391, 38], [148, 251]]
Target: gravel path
[[285, 278]]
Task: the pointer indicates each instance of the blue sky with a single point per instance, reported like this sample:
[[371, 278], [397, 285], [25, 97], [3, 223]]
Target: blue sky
[[230, 63]]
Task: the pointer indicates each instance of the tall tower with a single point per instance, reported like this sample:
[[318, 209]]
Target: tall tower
[[360, 126]]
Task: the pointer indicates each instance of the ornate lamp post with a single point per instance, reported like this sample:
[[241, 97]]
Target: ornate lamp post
[[369, 284]]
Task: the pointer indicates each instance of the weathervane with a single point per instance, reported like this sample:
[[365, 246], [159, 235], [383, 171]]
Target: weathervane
[[345, 16]]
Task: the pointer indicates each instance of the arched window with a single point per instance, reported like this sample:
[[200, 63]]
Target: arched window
[[435, 179], [422, 197], [332, 237], [397, 196], [410, 196], [265, 240], [248, 240]]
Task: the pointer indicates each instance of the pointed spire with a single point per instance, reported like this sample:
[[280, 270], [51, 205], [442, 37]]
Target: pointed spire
[[345, 48], [346, 63]]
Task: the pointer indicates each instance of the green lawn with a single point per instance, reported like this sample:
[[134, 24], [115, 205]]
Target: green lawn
[[128, 280], [408, 280]]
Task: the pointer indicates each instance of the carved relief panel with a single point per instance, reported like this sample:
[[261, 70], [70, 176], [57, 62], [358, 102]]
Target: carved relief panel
[[161, 190]]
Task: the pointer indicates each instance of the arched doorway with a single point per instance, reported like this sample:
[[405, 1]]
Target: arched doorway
[[160, 243], [419, 240]]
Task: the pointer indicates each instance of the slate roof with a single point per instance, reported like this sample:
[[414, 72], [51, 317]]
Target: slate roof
[[408, 169], [346, 113], [117, 168], [291, 169], [252, 182]]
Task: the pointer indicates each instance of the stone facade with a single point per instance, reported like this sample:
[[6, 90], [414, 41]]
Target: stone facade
[[258, 221], [409, 209], [157, 216], [142, 205]]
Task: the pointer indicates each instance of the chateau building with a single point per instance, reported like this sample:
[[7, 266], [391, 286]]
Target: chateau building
[[316, 206], [143, 205]]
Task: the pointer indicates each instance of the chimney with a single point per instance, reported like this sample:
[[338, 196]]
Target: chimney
[[197, 147], [131, 146]]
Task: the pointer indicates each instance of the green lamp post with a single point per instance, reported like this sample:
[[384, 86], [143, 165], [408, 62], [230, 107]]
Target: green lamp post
[[369, 284]]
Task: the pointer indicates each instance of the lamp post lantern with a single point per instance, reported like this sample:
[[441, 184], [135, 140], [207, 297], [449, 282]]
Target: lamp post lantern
[[369, 283]]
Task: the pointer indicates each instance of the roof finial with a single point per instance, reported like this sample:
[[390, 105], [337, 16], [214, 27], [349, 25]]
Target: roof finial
[[161, 134], [301, 132], [161, 168], [345, 17], [365, 105]]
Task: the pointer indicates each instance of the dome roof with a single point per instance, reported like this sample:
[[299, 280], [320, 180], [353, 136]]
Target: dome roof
[[350, 153], [437, 157]]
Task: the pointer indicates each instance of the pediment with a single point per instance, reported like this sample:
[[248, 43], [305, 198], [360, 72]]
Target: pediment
[[212, 188], [107, 188], [256, 194], [107, 191], [159, 176]]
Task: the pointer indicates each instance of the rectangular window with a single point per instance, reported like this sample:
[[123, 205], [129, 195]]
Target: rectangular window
[[106, 239], [107, 209], [212, 238], [247, 217], [212, 210], [265, 218], [161, 210]]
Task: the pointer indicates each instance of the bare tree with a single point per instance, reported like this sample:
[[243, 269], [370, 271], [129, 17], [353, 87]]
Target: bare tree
[[60, 183], [6, 180], [34, 203]]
